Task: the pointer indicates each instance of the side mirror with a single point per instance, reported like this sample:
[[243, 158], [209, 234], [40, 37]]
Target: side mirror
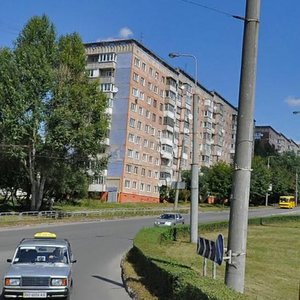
[[74, 261], [9, 260]]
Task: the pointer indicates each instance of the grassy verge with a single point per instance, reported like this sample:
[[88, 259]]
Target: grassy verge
[[273, 258]]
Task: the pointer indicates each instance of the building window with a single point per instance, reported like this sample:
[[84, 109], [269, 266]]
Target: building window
[[149, 100], [106, 57], [154, 103], [143, 171], [135, 169], [128, 168], [135, 77], [132, 122], [139, 125], [137, 139], [133, 107], [136, 155], [127, 184], [141, 111], [142, 81], [137, 62], [149, 173], [142, 186], [145, 143], [130, 153], [134, 185], [148, 188], [148, 114], [93, 73], [142, 95], [135, 92], [106, 87], [131, 137], [143, 66], [156, 75]]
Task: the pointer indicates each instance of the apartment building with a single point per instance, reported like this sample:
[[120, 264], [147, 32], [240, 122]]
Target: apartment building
[[267, 134], [150, 134]]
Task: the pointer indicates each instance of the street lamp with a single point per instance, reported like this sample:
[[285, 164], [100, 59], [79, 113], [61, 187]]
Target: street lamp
[[195, 156]]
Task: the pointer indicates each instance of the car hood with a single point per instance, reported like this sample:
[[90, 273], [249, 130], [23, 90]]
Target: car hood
[[53, 270]]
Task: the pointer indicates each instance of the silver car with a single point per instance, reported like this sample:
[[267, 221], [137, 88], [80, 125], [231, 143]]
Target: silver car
[[40, 268], [169, 219]]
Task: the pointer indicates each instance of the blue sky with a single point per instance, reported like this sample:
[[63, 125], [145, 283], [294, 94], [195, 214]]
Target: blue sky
[[215, 38]]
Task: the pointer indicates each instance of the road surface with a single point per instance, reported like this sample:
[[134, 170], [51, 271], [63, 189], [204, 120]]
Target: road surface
[[99, 247]]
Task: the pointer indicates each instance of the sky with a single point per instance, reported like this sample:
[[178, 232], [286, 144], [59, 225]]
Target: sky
[[203, 28]]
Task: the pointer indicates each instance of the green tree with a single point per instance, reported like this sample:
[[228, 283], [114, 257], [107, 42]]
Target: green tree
[[51, 116], [260, 180], [220, 180]]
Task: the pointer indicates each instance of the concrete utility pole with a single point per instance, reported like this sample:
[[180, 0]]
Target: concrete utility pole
[[238, 223], [179, 175], [195, 172]]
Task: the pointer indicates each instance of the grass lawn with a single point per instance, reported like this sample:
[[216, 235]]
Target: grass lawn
[[272, 264]]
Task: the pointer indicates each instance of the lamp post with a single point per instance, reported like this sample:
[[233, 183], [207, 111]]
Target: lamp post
[[195, 156], [270, 186]]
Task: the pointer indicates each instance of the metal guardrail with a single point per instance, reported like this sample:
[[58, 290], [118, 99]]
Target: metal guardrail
[[88, 213]]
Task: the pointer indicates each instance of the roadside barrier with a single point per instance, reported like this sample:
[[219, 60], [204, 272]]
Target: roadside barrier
[[88, 213]]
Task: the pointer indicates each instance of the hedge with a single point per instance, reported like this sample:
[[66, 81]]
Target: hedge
[[169, 280]]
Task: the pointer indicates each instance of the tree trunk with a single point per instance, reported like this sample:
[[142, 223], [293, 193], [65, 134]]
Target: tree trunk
[[32, 176], [40, 192]]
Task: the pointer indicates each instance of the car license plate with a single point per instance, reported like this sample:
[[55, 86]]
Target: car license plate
[[34, 295]]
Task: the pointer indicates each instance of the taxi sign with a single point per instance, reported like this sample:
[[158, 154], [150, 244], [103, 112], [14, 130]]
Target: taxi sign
[[45, 235]]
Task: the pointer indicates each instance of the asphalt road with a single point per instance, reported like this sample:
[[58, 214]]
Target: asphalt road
[[99, 247]]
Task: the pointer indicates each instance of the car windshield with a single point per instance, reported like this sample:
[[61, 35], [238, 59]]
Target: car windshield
[[167, 216], [41, 254]]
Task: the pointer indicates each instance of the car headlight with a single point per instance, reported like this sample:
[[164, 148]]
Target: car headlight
[[12, 281], [59, 281], [168, 223]]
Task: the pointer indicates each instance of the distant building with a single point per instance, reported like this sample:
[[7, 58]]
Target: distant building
[[150, 134], [267, 134]]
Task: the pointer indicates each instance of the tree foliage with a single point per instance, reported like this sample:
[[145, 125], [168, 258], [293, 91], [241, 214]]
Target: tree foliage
[[52, 118]]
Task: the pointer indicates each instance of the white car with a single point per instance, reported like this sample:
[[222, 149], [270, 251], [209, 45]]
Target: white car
[[40, 268], [169, 219]]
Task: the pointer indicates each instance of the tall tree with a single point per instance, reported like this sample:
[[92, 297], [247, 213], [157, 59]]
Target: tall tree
[[51, 116], [260, 180]]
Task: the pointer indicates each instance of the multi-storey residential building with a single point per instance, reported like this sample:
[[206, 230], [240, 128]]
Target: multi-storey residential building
[[267, 134], [150, 138]]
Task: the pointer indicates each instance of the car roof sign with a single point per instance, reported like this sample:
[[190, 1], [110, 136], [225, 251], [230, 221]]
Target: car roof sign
[[45, 235]]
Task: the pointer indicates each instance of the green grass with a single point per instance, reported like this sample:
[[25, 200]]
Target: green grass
[[272, 264]]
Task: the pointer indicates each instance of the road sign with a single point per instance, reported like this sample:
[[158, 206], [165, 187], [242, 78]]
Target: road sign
[[212, 250]]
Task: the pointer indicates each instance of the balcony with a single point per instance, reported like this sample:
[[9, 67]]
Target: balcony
[[169, 114], [165, 154], [167, 141]]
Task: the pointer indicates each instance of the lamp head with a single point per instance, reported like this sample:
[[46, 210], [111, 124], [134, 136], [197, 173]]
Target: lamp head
[[173, 55], [296, 112]]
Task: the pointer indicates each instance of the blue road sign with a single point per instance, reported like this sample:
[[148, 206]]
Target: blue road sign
[[212, 250]]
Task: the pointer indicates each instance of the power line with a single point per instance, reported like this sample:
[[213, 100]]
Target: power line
[[213, 9]]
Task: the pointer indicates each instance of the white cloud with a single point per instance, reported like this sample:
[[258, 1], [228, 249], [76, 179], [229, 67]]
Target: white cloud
[[125, 33], [293, 101]]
